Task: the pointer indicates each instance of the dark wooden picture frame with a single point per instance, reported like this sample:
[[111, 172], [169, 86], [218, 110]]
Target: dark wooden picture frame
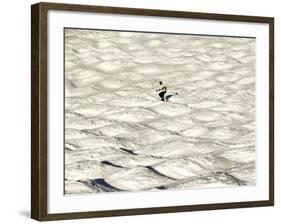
[[39, 106]]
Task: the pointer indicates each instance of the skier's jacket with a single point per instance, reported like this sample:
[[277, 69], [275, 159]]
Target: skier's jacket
[[162, 88]]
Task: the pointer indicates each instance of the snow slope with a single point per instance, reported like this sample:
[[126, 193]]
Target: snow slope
[[120, 137]]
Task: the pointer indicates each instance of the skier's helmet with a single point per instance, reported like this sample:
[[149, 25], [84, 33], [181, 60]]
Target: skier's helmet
[[160, 82]]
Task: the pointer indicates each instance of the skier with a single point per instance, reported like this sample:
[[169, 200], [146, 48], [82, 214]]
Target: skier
[[162, 91]]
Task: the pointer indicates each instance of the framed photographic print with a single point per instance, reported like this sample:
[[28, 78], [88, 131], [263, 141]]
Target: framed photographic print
[[141, 111]]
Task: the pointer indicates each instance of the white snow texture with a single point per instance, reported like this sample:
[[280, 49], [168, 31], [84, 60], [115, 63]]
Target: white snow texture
[[119, 136]]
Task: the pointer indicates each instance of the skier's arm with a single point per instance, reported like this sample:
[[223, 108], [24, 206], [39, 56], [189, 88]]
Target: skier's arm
[[161, 87]]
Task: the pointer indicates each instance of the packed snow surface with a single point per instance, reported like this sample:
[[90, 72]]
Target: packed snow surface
[[119, 136]]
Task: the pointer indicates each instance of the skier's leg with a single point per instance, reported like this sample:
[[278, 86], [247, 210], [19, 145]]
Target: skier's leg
[[164, 95], [161, 96]]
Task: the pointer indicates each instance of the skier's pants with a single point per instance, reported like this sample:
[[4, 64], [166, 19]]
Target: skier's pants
[[162, 94]]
